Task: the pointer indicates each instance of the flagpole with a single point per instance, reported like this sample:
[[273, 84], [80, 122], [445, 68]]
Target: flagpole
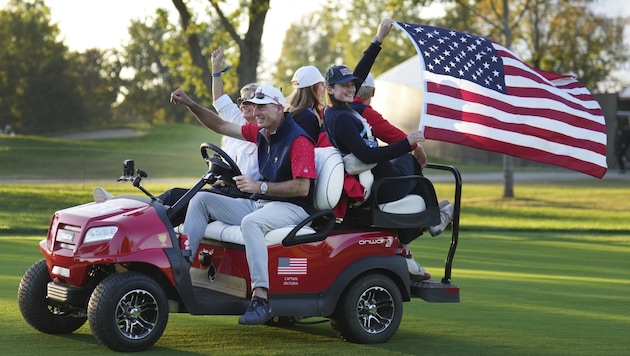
[[508, 161]]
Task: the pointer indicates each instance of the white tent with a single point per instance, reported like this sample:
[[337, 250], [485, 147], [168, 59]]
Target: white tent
[[398, 95]]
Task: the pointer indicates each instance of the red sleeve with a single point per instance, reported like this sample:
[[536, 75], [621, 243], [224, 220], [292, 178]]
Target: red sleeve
[[303, 158], [381, 128], [322, 140], [250, 132]]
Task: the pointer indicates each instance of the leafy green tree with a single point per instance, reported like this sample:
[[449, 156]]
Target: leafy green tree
[[38, 92], [227, 34], [151, 60], [338, 33], [98, 75]]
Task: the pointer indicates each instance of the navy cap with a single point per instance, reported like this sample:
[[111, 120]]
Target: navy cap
[[339, 75]]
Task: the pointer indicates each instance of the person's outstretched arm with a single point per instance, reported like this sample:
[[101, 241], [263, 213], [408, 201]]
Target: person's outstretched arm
[[206, 117]]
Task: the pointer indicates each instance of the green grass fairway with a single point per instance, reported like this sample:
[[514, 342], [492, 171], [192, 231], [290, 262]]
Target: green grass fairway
[[164, 152], [544, 274]]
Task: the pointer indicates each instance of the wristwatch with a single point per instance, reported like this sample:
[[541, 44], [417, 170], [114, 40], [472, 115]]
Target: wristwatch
[[263, 187]]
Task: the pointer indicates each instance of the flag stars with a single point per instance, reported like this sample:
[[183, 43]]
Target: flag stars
[[457, 54]]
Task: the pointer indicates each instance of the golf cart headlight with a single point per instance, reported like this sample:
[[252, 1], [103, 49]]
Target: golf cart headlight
[[100, 233]]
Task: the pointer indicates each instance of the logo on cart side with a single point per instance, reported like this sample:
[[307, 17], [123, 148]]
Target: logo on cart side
[[387, 241]]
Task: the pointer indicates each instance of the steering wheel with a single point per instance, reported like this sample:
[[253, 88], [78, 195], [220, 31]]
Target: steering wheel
[[221, 164]]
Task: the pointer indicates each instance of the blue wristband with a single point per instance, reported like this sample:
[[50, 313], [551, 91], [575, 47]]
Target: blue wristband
[[218, 74]]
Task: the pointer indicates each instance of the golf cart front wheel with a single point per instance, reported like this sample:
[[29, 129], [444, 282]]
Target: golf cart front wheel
[[40, 312], [128, 312], [369, 311]]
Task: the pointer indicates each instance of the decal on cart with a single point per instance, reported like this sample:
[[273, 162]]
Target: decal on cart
[[386, 241], [292, 265]]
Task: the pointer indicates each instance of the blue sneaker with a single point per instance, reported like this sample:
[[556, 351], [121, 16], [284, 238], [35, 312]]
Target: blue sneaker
[[258, 312]]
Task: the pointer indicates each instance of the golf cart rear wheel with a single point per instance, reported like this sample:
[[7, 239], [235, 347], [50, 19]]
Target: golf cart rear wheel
[[128, 312], [40, 312], [369, 311]]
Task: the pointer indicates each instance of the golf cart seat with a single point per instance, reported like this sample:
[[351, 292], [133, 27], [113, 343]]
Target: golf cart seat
[[410, 210]]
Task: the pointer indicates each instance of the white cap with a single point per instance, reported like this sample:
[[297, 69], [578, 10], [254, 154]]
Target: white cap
[[267, 94], [306, 76], [369, 81]]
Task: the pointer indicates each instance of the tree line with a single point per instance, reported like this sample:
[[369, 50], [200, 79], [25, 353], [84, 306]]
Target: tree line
[[45, 87]]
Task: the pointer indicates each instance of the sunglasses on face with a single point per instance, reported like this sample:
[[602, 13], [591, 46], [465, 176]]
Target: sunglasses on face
[[261, 95]]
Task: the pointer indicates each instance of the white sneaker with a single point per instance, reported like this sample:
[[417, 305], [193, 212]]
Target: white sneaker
[[446, 216], [100, 195], [416, 272]]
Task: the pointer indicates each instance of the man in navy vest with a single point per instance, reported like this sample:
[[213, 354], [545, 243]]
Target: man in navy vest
[[284, 196]]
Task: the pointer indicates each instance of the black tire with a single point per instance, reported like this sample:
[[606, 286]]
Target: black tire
[[128, 312], [369, 310], [41, 313]]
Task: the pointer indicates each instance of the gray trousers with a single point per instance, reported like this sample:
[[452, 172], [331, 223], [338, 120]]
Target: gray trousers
[[256, 218]]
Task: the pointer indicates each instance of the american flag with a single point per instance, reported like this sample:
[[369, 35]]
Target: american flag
[[292, 265], [478, 93]]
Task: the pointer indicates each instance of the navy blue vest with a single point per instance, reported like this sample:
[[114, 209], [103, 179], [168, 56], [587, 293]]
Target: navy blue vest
[[274, 160], [331, 114]]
